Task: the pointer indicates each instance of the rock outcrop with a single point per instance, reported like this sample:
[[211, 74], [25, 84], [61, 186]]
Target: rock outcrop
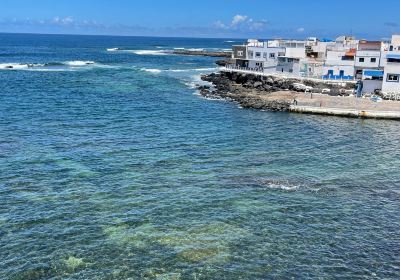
[[255, 91]]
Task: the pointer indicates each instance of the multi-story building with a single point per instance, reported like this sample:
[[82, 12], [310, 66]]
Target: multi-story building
[[368, 57], [294, 59], [340, 58], [375, 63], [391, 76], [263, 54], [239, 55]]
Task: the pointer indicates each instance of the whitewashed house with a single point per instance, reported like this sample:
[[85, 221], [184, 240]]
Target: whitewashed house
[[368, 57], [294, 60], [340, 58], [391, 77], [339, 64], [263, 55]]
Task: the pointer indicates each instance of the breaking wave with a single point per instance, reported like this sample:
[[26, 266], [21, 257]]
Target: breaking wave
[[79, 63], [159, 51], [151, 70], [50, 66], [149, 52]]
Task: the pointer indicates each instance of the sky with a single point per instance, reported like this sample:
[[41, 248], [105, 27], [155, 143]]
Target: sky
[[206, 18]]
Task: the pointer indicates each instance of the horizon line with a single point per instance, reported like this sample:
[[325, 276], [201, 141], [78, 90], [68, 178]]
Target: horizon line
[[177, 37]]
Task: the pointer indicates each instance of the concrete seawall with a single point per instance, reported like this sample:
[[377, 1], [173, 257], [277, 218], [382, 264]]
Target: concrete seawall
[[341, 112]]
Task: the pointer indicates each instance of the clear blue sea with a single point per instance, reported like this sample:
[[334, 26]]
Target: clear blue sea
[[112, 167]]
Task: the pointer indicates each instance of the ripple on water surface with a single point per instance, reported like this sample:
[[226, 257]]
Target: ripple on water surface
[[111, 171]]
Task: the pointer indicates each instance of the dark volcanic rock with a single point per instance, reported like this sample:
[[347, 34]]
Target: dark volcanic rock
[[248, 89], [222, 62]]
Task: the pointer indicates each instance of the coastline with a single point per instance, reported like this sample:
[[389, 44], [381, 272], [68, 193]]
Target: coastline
[[269, 92]]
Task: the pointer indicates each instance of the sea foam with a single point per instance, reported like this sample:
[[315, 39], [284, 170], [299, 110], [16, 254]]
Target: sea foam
[[79, 63], [154, 71], [149, 52], [49, 66]]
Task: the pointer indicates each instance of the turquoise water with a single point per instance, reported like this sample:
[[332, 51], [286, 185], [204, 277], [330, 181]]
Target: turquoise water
[[116, 169]]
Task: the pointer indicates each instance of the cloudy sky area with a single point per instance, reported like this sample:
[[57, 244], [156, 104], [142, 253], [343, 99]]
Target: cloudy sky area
[[206, 18]]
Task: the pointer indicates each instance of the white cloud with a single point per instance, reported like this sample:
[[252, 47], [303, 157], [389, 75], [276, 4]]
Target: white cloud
[[242, 23], [257, 25], [62, 21], [220, 25], [300, 30], [238, 19]]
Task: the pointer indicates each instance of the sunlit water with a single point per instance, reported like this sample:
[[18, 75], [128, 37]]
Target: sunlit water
[[111, 167]]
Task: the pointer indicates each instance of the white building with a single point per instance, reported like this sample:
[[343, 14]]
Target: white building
[[263, 54], [391, 77], [294, 59], [340, 58], [339, 64], [368, 57]]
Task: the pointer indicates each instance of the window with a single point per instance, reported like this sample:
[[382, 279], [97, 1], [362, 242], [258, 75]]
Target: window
[[272, 55], [391, 48], [392, 78], [258, 54], [251, 54], [240, 53], [265, 55], [361, 59], [373, 59], [290, 60]]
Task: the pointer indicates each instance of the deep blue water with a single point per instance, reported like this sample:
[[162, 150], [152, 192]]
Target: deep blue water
[[111, 167]]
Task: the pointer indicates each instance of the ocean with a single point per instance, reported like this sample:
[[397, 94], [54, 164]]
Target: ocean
[[113, 167]]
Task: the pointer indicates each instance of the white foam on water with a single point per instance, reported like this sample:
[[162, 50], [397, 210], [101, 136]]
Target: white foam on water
[[53, 66], [113, 49], [79, 63], [190, 49], [13, 66], [283, 187], [151, 70], [280, 185], [149, 52]]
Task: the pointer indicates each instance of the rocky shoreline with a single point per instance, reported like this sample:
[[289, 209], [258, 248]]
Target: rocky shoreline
[[264, 92]]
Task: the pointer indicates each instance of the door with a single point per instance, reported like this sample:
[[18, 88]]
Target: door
[[330, 72], [341, 73]]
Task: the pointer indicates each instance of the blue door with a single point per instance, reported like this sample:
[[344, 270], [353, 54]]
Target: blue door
[[330, 73], [341, 73]]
